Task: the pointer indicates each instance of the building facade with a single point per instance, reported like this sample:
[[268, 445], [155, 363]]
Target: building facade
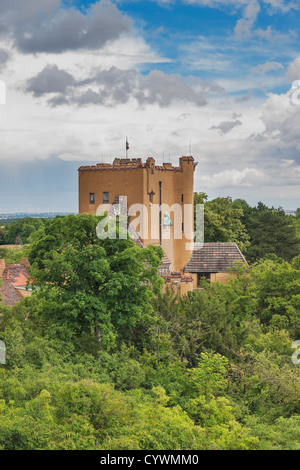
[[159, 200], [159, 211]]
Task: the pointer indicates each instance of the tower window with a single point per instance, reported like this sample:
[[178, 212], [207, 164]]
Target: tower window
[[182, 198], [92, 198], [105, 197]]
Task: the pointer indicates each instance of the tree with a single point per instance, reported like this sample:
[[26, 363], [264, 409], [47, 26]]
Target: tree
[[20, 231], [296, 222], [274, 288], [271, 231], [89, 285], [222, 221]]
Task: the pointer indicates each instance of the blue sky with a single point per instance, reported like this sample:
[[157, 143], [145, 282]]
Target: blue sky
[[213, 75]]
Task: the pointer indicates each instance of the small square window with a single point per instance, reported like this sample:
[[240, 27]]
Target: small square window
[[201, 276], [92, 198], [105, 197]]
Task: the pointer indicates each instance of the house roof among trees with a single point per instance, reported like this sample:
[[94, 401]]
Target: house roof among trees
[[13, 277], [214, 258]]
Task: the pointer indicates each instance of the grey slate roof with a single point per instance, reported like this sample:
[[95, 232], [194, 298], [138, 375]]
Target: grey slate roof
[[214, 258]]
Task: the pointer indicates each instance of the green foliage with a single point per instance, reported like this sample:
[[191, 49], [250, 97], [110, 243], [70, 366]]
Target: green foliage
[[222, 221], [13, 255], [258, 231], [99, 359], [21, 231], [270, 231], [275, 290], [283, 434], [91, 286]]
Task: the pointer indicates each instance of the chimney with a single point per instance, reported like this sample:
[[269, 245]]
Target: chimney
[[2, 266]]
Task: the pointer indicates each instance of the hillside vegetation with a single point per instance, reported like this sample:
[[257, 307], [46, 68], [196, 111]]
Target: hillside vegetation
[[99, 358]]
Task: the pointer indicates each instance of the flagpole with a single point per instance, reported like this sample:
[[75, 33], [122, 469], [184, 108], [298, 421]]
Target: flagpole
[[127, 146]]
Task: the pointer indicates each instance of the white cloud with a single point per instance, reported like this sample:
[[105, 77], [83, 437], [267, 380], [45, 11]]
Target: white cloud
[[286, 163], [245, 24], [227, 126], [266, 67], [48, 27], [271, 35], [247, 177], [293, 72]]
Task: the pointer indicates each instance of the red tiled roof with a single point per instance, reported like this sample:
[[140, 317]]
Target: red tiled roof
[[17, 274], [13, 277], [8, 294]]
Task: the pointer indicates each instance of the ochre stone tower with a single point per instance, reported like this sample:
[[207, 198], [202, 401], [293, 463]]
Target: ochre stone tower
[[163, 191]]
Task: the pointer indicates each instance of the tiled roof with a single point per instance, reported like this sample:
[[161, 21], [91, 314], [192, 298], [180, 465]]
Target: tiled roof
[[178, 277], [8, 293], [214, 258], [17, 274], [13, 277]]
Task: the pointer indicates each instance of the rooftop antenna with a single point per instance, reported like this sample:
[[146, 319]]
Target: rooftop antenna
[[190, 148]]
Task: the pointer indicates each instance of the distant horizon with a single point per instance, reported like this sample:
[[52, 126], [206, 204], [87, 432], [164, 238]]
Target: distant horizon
[[44, 213]]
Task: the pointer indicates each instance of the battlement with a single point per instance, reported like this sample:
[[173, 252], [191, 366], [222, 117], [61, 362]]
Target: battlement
[[136, 163]]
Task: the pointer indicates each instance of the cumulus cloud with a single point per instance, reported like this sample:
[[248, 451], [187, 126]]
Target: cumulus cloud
[[116, 86], [281, 117], [226, 126], [50, 80], [4, 57], [262, 69], [244, 178], [245, 24], [293, 72], [250, 11], [48, 27]]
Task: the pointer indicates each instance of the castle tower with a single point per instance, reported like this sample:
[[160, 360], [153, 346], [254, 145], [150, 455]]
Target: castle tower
[[165, 193]]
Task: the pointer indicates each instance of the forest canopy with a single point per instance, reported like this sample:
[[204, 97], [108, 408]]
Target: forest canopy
[[100, 358]]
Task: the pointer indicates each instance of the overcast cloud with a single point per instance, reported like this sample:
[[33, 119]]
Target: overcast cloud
[[46, 27], [79, 80], [116, 86]]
